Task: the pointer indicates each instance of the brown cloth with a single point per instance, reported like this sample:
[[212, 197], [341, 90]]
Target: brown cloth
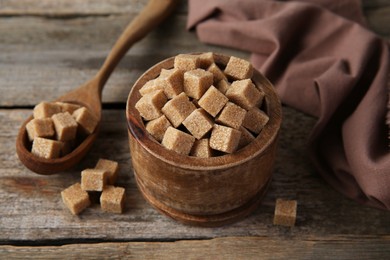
[[325, 62]]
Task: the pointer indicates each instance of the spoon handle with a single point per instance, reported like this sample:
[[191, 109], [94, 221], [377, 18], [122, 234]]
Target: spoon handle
[[154, 12]]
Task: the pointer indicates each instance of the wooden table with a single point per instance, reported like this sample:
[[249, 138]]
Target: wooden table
[[49, 47]]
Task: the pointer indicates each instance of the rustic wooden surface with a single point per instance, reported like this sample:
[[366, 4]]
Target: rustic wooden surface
[[49, 47]]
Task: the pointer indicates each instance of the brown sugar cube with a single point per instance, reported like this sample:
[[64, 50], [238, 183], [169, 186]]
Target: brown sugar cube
[[224, 139], [206, 59], [255, 119], [178, 141], [46, 109], [93, 179], [171, 82], [46, 148], [149, 106], [75, 198], [65, 126], [186, 62], [244, 93], [202, 149], [150, 87], [246, 137], [223, 86], [40, 127], [112, 199], [217, 73], [213, 101], [86, 120], [231, 115], [111, 167], [285, 212], [196, 82], [68, 107], [239, 68], [157, 127], [178, 108], [198, 123]]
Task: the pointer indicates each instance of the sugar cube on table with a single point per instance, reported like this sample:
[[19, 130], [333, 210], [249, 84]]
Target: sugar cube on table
[[285, 212], [255, 120], [149, 106], [40, 127], [224, 139], [196, 82], [178, 141], [178, 108], [75, 198], [46, 148], [198, 123], [213, 101], [111, 167], [238, 68], [244, 93], [65, 126], [232, 115], [112, 199], [94, 179]]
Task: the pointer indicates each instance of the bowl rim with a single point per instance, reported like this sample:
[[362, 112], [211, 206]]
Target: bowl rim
[[269, 134]]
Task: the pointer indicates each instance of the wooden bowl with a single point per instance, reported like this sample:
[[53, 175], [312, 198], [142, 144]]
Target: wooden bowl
[[203, 191]]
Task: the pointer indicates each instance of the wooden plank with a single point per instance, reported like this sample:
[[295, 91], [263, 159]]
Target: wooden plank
[[45, 58], [66, 8], [31, 210], [42, 57], [218, 248]]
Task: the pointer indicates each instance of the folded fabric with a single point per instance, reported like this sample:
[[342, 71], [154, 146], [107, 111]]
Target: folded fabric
[[325, 62]]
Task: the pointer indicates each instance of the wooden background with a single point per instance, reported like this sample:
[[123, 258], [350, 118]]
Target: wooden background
[[49, 47]]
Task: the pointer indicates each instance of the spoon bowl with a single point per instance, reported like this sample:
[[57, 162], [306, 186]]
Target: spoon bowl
[[89, 94], [50, 166]]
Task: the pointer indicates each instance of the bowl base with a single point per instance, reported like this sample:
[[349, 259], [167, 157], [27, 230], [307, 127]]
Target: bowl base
[[206, 220]]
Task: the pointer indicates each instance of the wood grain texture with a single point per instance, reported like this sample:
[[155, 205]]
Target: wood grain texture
[[42, 59], [66, 8], [48, 48], [31, 210], [218, 248]]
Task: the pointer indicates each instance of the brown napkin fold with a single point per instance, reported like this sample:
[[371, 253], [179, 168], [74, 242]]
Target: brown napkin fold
[[324, 62]]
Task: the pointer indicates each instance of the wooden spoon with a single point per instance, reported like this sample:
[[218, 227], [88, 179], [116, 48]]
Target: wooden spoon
[[90, 93]]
